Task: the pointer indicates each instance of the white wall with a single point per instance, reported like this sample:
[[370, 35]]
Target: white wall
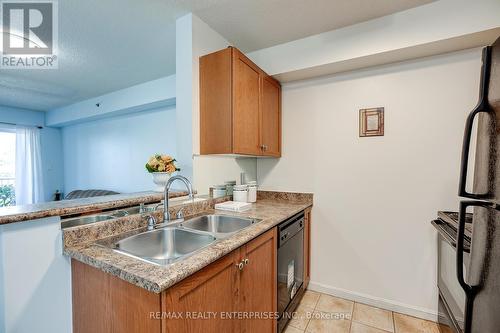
[[215, 170], [375, 197], [111, 153], [35, 278], [194, 38], [184, 93]]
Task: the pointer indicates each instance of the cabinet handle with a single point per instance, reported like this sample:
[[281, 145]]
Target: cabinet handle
[[240, 266], [246, 261], [263, 147]]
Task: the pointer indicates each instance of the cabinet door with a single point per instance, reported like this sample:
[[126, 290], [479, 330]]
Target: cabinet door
[[215, 103], [259, 282], [246, 95], [213, 290], [103, 303], [307, 247], [271, 117]]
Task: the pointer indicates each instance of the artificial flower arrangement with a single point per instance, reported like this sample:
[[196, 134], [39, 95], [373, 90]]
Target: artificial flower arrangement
[[161, 163]]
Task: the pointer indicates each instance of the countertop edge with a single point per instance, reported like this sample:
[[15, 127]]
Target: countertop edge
[[136, 199]]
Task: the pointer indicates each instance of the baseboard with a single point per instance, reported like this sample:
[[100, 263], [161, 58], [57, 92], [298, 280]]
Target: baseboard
[[378, 302]]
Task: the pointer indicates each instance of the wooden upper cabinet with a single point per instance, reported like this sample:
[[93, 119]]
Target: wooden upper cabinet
[[246, 98], [270, 117], [240, 106], [215, 103]]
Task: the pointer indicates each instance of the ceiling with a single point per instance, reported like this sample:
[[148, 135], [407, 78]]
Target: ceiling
[[256, 24], [104, 45], [113, 44]]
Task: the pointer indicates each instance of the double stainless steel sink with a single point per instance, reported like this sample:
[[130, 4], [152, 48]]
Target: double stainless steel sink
[[177, 240]]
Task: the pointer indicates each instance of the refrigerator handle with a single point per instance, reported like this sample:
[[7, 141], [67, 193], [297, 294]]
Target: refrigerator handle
[[482, 106], [470, 291], [460, 244]]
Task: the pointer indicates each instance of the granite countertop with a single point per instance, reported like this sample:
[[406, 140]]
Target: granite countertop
[[270, 209], [78, 206]]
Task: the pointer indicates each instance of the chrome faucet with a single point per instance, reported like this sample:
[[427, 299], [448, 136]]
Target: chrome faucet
[[189, 186], [151, 222]]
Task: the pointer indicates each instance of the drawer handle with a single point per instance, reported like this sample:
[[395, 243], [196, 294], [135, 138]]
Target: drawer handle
[[246, 261], [240, 266]]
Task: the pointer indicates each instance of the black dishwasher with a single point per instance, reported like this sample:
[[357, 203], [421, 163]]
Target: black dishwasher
[[290, 267]]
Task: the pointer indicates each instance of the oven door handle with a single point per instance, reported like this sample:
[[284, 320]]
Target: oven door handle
[[446, 237]]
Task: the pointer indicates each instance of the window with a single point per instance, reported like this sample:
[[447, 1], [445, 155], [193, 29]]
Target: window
[[7, 168]]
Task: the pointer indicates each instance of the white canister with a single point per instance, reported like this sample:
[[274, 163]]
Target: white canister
[[252, 191], [240, 193]]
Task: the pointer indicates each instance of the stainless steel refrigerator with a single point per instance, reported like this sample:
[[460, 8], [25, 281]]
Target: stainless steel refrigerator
[[469, 242]]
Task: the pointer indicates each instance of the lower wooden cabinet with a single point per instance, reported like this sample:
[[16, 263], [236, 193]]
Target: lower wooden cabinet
[[213, 290], [237, 293], [103, 303], [258, 282], [239, 290]]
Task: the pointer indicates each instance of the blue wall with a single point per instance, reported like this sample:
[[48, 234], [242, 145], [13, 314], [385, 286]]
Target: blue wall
[[21, 116], [111, 153], [50, 138], [52, 161], [141, 97], [105, 147]]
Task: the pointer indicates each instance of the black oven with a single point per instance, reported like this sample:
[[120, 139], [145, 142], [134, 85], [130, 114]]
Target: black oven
[[469, 268], [452, 297]]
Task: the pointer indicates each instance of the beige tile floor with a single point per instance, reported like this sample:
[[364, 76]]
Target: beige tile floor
[[318, 313]]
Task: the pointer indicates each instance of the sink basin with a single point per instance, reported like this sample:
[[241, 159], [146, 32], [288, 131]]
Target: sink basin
[[164, 246], [219, 224], [85, 220]]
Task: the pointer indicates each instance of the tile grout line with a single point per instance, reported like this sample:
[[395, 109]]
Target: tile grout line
[[393, 322]]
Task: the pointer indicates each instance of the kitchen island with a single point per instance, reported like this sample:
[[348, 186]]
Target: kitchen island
[[117, 292]]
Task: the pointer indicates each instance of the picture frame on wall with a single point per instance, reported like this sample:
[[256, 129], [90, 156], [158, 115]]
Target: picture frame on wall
[[371, 122]]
